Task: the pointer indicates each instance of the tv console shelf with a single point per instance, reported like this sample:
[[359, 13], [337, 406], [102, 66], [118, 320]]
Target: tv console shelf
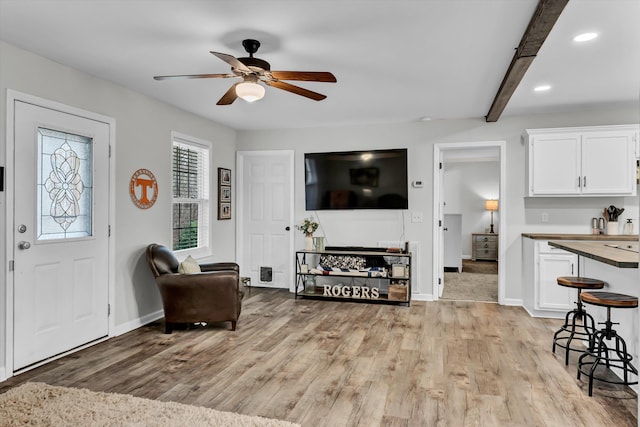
[[373, 275]]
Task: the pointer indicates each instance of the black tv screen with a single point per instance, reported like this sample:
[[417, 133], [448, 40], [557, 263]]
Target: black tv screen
[[374, 179]]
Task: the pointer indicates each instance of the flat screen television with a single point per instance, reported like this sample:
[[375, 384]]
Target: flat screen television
[[373, 179]]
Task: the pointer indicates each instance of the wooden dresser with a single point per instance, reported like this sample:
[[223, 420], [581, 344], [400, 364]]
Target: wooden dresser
[[484, 246]]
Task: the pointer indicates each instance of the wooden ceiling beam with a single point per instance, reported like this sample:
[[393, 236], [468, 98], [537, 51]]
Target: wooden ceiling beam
[[540, 25]]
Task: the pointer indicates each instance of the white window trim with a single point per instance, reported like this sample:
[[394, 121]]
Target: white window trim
[[205, 250]]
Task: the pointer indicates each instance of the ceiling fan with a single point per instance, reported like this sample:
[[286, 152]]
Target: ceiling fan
[[253, 70]]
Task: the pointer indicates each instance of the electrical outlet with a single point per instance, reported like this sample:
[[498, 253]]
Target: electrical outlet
[[544, 217], [416, 216]]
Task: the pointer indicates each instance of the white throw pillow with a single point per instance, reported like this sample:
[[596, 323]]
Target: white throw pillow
[[189, 266]]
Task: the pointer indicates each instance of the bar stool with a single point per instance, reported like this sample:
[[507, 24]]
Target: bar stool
[[599, 352], [571, 329]]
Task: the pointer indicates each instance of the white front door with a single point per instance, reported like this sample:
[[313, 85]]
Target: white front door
[[265, 188], [60, 235]]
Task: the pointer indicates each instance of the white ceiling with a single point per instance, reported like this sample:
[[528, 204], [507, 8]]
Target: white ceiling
[[395, 60]]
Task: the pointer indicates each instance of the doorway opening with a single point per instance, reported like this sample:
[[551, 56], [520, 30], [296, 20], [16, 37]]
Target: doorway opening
[[470, 221]]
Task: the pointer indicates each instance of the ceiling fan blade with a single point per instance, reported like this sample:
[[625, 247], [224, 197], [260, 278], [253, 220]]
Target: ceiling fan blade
[[232, 60], [194, 76], [229, 96], [309, 76], [296, 89]]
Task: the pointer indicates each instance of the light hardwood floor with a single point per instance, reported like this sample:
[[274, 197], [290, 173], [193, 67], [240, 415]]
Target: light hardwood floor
[[325, 363]]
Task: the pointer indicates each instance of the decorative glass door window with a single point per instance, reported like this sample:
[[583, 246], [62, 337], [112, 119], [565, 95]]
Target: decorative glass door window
[[64, 185]]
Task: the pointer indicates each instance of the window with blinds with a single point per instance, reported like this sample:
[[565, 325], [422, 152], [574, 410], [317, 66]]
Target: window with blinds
[[190, 195]]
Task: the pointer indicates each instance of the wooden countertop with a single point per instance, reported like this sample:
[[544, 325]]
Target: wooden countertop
[[559, 236], [622, 254]]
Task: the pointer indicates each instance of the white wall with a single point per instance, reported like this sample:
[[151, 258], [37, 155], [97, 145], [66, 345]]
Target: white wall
[[368, 227], [467, 184], [143, 130]]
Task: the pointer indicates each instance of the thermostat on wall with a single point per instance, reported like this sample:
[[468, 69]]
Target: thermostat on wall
[[417, 184]]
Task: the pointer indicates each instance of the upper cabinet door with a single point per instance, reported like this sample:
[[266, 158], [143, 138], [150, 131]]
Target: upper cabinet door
[[589, 161], [607, 163], [554, 165]]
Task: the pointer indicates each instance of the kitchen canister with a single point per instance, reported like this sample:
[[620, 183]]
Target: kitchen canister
[[628, 227], [612, 227]]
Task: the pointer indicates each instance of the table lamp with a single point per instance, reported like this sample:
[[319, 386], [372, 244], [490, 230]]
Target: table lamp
[[491, 205]]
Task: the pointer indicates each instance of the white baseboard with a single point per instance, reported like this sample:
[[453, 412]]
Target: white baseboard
[[3, 376], [512, 301], [422, 297], [140, 321]]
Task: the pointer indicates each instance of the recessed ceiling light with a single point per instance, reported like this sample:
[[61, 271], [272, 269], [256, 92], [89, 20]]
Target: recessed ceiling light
[[425, 118], [542, 88], [585, 37]]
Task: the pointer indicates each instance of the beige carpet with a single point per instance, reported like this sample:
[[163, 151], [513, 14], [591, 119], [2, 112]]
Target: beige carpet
[[470, 287], [38, 404]]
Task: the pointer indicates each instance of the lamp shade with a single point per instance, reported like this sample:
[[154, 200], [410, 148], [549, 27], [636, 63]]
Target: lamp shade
[[491, 205], [250, 91]]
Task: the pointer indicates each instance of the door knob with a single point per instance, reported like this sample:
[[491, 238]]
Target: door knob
[[24, 245], [287, 228]]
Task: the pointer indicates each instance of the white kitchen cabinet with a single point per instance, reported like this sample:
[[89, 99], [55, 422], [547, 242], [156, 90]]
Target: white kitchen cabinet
[[542, 265], [588, 161], [550, 295]]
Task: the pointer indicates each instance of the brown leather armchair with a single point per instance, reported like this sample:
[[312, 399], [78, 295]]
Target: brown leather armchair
[[214, 295]]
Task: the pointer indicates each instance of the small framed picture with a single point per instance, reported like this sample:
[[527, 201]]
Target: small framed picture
[[397, 270], [224, 176], [224, 210], [225, 194]]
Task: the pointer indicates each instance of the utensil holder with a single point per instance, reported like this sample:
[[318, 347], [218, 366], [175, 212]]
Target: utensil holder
[[612, 228]]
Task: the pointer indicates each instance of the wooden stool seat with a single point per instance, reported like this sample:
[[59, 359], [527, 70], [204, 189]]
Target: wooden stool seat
[[580, 282], [609, 299]]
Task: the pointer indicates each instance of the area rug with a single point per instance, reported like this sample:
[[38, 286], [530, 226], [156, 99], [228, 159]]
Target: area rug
[[38, 404], [470, 287]]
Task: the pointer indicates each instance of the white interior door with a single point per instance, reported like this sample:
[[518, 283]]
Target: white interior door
[[61, 248], [453, 241], [265, 183]]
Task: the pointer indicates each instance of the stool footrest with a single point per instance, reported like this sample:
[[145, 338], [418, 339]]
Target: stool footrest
[[601, 357], [578, 326]]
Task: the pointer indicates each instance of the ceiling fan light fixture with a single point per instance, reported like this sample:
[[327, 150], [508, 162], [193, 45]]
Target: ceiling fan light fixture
[[250, 91]]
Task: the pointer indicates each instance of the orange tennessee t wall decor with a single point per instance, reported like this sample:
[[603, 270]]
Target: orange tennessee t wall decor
[[143, 188]]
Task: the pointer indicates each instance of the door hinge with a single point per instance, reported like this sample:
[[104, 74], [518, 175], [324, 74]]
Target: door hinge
[[108, 309], [439, 223], [440, 165], [109, 231], [109, 151], [11, 265], [439, 281]]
